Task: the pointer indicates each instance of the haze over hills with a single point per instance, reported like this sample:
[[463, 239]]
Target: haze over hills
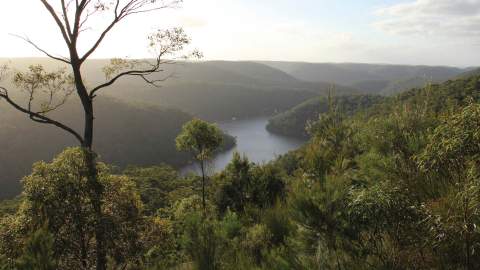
[[220, 90], [216, 90], [371, 78], [471, 72]]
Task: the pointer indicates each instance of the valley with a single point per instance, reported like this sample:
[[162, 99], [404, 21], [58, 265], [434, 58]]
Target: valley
[[144, 119]]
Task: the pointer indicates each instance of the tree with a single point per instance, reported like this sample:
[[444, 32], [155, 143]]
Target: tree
[[72, 18], [202, 139], [243, 185], [235, 182], [55, 199]]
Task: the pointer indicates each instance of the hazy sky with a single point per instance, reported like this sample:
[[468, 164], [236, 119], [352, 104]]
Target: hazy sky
[[434, 32]]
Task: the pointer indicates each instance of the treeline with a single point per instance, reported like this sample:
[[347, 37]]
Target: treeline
[[395, 186]]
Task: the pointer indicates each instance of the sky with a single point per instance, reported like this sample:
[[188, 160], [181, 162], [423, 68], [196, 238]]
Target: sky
[[427, 32]]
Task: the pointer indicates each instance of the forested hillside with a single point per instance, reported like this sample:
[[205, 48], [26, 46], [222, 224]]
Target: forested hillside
[[128, 134], [294, 122], [125, 146], [389, 186]]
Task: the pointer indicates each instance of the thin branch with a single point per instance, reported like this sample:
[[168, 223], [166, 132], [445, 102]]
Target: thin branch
[[100, 39], [37, 117], [154, 82], [61, 59], [58, 21], [130, 8], [65, 18], [140, 73]]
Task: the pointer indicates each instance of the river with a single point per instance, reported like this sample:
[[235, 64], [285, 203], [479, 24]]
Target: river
[[253, 140]]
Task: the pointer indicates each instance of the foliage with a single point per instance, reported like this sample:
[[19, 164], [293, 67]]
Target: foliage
[[393, 186], [243, 184], [294, 121], [199, 137], [159, 186], [202, 139], [38, 252], [55, 194]]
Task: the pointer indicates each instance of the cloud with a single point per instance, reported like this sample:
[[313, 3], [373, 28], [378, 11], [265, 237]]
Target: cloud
[[439, 18]]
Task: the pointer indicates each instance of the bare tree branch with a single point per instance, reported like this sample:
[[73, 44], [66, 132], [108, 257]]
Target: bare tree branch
[[130, 8], [140, 73], [163, 43], [37, 117], [57, 21], [65, 18], [26, 39], [100, 39]]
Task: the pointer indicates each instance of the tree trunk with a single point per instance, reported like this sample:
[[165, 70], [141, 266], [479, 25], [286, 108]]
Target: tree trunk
[[202, 165], [96, 193], [96, 188]]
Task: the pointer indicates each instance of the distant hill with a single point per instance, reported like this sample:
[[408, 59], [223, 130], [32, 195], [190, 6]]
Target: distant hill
[[126, 134], [223, 90], [213, 90], [369, 78], [442, 97], [293, 122], [438, 98], [372, 87], [471, 72]]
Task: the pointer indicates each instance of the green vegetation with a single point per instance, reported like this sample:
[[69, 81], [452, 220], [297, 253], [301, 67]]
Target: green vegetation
[[213, 90], [127, 134], [294, 121], [389, 186], [383, 183], [202, 139]]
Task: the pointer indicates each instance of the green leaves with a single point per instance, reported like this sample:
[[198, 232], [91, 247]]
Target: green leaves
[[51, 88], [56, 195], [454, 142], [39, 252], [200, 138]]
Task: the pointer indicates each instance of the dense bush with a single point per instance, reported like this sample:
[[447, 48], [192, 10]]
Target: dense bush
[[395, 186]]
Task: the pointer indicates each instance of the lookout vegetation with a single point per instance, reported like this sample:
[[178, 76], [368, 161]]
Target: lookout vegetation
[[382, 183], [391, 186]]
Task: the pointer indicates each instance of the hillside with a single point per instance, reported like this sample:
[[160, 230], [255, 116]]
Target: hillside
[[369, 78], [471, 72], [294, 121], [213, 90], [225, 90], [394, 183], [384, 180], [126, 134]]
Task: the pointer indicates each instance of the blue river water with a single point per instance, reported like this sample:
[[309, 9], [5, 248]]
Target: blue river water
[[253, 140]]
